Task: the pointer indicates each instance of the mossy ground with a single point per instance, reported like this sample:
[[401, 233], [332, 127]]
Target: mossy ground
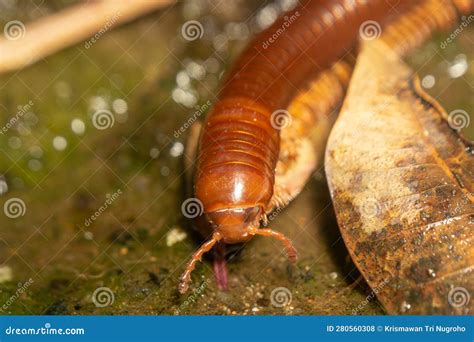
[[125, 248]]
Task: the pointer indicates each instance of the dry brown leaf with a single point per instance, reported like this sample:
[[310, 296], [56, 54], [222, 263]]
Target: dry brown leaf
[[402, 185]]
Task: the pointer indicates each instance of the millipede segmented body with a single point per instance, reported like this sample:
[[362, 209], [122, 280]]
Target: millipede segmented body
[[240, 143], [239, 147]]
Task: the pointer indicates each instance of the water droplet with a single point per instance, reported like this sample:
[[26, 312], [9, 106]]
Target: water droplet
[[177, 149], [3, 186], [36, 151], [97, 103], [287, 5], [184, 97], [154, 153], [14, 142], [59, 143], [404, 307], [120, 106], [192, 9], [30, 119], [267, 16], [6, 273], [220, 42], [212, 65], [183, 80], [237, 31], [63, 90], [459, 67], [78, 126], [35, 165], [428, 81], [165, 171], [23, 129], [195, 70]]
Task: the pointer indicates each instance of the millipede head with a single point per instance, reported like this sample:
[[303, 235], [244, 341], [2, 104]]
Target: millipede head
[[234, 225]]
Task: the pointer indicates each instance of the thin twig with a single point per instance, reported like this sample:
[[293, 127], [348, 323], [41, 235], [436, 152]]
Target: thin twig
[[50, 34]]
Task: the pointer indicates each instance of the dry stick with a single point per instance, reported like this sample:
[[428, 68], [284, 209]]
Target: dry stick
[[55, 32]]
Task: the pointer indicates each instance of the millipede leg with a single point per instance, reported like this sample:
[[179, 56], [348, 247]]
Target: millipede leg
[[290, 249], [186, 276]]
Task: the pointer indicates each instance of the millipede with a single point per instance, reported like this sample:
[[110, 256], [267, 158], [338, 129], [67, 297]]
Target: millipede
[[240, 145]]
